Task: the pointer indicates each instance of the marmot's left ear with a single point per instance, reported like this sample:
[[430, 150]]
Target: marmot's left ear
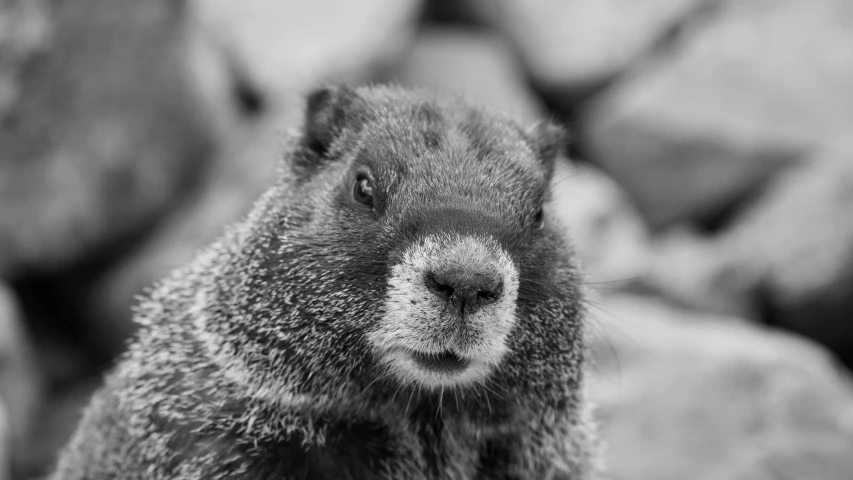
[[330, 112], [549, 141]]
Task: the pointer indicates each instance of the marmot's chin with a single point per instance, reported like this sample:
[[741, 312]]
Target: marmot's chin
[[437, 369], [443, 362]]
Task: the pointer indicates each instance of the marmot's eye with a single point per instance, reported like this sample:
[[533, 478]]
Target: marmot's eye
[[539, 219], [362, 190]]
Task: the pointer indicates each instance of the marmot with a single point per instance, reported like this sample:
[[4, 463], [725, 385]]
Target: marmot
[[398, 306]]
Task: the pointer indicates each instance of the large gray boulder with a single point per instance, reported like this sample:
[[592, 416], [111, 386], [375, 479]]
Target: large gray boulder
[[104, 130], [786, 258], [24, 32], [569, 48], [683, 395], [611, 240], [284, 47], [477, 63], [752, 87]]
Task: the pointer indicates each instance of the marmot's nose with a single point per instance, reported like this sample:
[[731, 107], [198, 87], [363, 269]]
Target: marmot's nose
[[466, 290]]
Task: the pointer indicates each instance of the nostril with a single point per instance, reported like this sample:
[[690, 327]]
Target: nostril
[[439, 287], [491, 293], [486, 296]]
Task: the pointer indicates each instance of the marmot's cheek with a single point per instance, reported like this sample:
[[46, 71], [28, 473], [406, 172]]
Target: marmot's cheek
[[450, 306]]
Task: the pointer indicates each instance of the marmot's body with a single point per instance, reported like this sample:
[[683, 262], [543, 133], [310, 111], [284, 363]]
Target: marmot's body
[[395, 308]]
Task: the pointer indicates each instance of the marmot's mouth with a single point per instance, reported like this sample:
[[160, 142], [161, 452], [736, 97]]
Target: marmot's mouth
[[444, 362]]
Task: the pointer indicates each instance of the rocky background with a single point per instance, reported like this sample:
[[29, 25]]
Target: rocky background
[[710, 193]]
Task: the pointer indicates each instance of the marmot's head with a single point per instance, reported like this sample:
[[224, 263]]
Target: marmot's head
[[409, 242]]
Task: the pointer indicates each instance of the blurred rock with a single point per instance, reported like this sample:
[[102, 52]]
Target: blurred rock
[[749, 90], [477, 63], [240, 174], [20, 386], [58, 418], [571, 47], [24, 28], [692, 269], [787, 259], [106, 131], [681, 395], [608, 234], [287, 46]]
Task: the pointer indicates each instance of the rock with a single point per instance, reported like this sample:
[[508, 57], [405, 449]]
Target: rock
[[608, 234], [800, 236], [477, 63], [786, 259], [24, 28], [286, 47], [573, 46], [751, 89], [57, 421], [106, 132], [692, 270], [683, 395], [20, 386]]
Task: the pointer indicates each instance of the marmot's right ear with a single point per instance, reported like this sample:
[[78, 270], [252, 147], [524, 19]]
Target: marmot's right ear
[[329, 112], [549, 143]]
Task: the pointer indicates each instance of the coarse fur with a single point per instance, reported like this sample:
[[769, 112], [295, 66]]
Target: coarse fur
[[288, 349]]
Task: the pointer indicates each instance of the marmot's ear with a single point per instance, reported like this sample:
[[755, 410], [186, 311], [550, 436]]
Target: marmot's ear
[[329, 112], [549, 143]]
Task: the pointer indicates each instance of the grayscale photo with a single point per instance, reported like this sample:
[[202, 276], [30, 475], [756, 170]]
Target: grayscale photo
[[426, 240]]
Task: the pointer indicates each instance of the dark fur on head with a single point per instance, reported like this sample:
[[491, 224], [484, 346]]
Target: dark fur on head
[[261, 359]]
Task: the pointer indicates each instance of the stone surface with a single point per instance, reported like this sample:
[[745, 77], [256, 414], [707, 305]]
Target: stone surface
[[753, 87], [477, 63], [787, 259], [20, 386], [569, 47], [106, 131], [24, 29], [287, 46], [56, 423], [681, 395], [610, 237]]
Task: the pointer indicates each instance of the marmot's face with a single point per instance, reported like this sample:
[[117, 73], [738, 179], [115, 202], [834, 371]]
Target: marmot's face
[[449, 199]]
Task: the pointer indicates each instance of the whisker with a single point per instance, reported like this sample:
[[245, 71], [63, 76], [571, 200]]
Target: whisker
[[406, 414], [492, 391], [396, 390], [456, 397], [488, 404], [495, 383]]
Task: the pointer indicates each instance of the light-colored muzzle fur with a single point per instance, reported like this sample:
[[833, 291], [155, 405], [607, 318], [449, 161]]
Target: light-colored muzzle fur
[[417, 320]]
